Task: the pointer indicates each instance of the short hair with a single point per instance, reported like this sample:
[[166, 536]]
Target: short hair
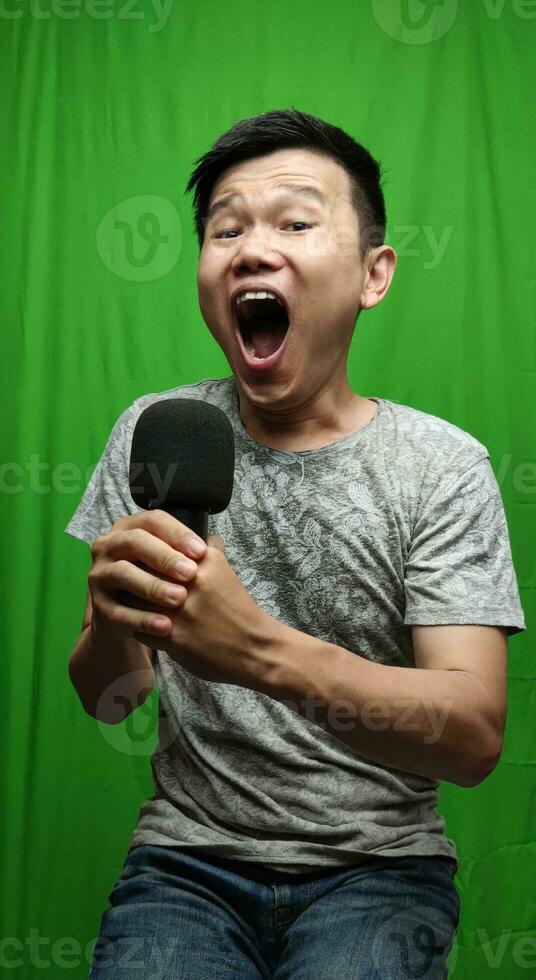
[[290, 128]]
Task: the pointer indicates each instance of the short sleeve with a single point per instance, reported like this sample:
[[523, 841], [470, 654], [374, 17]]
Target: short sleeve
[[459, 568], [107, 496]]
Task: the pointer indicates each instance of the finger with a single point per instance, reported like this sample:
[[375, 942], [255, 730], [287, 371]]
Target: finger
[[134, 619], [137, 544], [167, 528], [122, 575]]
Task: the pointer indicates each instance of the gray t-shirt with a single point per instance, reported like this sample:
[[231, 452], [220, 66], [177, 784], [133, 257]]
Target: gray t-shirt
[[398, 524]]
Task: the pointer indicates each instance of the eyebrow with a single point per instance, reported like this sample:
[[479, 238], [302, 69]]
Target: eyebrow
[[304, 190]]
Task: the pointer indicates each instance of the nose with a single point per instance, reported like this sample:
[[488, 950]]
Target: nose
[[255, 251]]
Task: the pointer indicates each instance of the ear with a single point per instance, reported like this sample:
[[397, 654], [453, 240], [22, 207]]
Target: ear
[[214, 541]]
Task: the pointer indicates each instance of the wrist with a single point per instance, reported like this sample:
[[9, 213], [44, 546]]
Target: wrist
[[261, 644], [107, 639], [279, 660]]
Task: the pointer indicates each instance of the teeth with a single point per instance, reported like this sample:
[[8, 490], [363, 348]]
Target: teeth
[[252, 294], [257, 295]]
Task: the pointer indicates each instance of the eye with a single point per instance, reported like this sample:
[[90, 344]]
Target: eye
[[231, 231], [304, 223]]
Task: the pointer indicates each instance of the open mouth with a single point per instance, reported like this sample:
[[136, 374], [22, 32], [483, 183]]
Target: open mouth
[[263, 323]]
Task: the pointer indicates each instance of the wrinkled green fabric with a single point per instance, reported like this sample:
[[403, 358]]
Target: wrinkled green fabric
[[105, 110]]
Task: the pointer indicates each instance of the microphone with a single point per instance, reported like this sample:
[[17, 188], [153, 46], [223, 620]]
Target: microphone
[[182, 461]]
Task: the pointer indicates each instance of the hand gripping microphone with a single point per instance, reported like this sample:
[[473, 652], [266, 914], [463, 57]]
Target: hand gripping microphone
[[182, 461]]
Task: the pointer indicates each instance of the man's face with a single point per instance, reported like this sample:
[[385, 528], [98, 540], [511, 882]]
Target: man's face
[[305, 249]]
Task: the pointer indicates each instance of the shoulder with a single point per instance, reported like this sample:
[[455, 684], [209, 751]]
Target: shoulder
[[429, 442], [214, 390], [217, 391]]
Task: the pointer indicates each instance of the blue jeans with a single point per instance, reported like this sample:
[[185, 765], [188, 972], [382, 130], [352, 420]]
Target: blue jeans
[[185, 915]]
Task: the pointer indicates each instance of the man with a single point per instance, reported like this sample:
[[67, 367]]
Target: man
[[293, 830]]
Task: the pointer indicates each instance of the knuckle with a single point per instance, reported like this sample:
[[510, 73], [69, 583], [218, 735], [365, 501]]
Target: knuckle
[[122, 566], [134, 536], [155, 590], [115, 614], [97, 546], [155, 518], [168, 562]]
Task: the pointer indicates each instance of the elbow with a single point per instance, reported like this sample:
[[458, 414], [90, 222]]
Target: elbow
[[481, 768], [98, 714], [91, 709]]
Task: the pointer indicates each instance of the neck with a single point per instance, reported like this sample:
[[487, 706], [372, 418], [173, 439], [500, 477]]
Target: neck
[[317, 422]]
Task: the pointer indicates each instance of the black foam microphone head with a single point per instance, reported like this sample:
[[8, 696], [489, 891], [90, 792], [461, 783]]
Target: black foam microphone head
[[182, 455]]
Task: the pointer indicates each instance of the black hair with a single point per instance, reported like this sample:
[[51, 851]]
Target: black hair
[[290, 128]]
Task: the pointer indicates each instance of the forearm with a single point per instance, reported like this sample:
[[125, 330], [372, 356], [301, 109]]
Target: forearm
[[111, 677], [416, 720]]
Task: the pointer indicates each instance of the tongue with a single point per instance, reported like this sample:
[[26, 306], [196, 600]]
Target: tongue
[[266, 339]]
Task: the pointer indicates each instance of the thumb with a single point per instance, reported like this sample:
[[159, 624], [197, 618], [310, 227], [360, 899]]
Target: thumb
[[214, 541]]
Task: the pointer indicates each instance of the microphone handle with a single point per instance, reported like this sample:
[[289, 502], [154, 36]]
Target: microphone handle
[[193, 517]]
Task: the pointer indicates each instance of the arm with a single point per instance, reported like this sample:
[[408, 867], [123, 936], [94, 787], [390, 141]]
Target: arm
[[97, 664], [134, 565], [437, 720]]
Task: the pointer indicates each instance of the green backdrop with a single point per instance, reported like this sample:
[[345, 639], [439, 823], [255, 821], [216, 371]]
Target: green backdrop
[[106, 106]]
